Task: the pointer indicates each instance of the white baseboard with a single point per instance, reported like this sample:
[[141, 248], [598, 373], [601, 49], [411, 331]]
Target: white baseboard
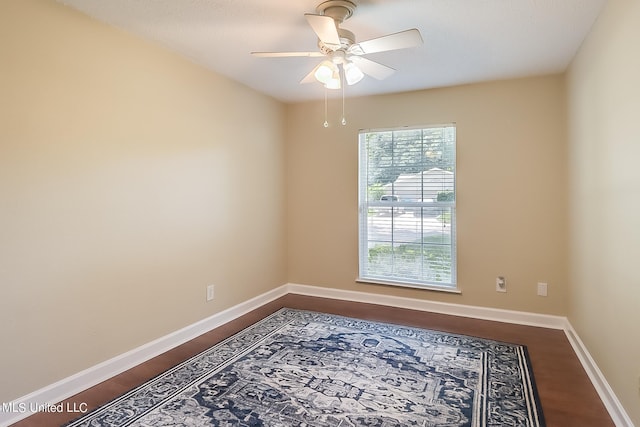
[[608, 397], [74, 384], [484, 313], [67, 387]]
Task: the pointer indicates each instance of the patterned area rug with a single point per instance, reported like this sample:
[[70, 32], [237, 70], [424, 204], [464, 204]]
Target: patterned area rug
[[301, 368]]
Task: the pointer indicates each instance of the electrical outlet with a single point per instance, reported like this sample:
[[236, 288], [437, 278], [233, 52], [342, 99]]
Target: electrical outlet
[[542, 289], [501, 284], [210, 292]]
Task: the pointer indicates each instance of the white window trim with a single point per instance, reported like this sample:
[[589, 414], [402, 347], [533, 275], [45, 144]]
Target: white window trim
[[453, 287]]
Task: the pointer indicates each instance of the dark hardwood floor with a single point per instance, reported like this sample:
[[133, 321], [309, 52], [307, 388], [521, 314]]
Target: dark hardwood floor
[[568, 398]]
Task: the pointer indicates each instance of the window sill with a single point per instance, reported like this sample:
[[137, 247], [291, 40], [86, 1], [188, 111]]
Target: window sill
[[410, 285]]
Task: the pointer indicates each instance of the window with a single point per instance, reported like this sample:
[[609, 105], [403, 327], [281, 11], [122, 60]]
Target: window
[[407, 198]]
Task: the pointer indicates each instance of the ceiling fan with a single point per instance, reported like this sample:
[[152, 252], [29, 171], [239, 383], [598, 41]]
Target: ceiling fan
[[339, 47]]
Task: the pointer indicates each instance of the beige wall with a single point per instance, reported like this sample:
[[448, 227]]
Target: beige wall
[[511, 189], [604, 151], [129, 180]]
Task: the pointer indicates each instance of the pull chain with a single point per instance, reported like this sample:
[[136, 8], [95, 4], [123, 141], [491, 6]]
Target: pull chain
[[326, 123], [344, 120]]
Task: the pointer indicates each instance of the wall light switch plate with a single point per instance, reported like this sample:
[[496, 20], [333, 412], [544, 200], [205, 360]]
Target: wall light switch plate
[[501, 284], [210, 292]]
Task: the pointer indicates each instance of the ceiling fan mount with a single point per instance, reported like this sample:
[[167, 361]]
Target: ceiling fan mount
[[339, 10]]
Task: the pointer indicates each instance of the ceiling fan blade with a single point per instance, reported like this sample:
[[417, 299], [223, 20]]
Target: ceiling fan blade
[[372, 68], [401, 40], [310, 78], [286, 54], [325, 28]]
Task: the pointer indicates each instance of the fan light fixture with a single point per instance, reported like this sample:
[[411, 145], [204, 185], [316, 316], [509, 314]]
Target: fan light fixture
[[328, 74], [325, 71], [334, 82], [352, 73]]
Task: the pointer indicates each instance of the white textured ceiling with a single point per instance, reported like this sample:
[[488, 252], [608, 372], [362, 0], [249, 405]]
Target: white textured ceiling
[[465, 41]]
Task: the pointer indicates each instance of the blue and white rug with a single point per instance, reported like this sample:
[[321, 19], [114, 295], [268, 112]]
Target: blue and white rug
[[301, 368]]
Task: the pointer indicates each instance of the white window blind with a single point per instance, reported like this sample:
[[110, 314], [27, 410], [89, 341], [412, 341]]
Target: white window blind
[[407, 200]]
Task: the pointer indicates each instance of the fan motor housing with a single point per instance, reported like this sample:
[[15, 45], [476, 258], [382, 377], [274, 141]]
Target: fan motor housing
[[347, 38]]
